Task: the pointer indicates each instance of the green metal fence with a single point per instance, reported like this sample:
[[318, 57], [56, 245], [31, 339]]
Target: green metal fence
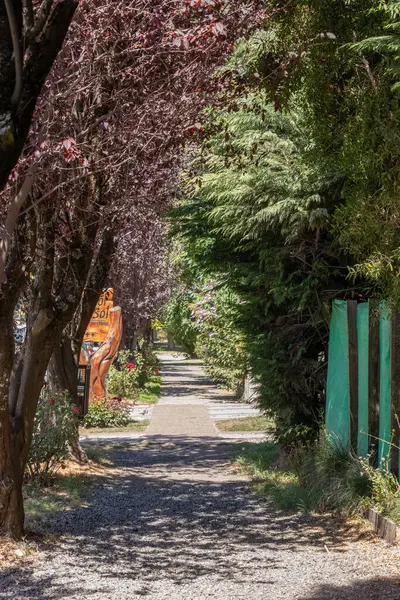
[[363, 387]]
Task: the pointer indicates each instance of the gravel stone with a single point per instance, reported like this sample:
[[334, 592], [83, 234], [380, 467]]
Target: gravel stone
[[176, 521]]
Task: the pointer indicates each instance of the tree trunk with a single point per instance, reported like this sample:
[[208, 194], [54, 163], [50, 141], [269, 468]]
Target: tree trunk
[[15, 515], [64, 362], [11, 220], [63, 369], [54, 298], [11, 504], [11, 471]]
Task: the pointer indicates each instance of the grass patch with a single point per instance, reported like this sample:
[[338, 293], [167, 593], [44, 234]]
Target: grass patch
[[152, 390], [394, 511], [281, 485], [261, 423], [134, 426]]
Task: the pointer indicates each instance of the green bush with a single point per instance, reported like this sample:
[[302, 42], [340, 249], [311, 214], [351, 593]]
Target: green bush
[[108, 412], [54, 427], [178, 321], [148, 364], [220, 342], [343, 482]]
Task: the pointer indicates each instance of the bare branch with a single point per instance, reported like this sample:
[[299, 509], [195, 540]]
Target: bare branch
[[28, 15]]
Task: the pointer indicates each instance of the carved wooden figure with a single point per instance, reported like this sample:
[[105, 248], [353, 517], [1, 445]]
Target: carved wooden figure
[[101, 360]]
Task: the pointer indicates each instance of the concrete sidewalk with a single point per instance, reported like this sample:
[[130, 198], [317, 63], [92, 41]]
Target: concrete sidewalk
[[182, 409]]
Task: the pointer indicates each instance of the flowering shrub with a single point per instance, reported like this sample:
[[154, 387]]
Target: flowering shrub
[[108, 412], [54, 427], [124, 380], [220, 343], [148, 366]]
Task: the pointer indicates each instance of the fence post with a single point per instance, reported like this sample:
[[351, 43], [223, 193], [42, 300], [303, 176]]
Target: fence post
[[373, 381], [395, 391], [353, 370]]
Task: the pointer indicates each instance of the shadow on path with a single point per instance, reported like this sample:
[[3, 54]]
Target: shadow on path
[[372, 589], [178, 514]]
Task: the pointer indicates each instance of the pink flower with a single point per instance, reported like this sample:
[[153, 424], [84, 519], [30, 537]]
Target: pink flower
[[130, 366], [156, 372], [51, 400], [76, 410]]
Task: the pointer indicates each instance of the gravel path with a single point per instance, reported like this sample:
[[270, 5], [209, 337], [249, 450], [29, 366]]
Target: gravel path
[[175, 521]]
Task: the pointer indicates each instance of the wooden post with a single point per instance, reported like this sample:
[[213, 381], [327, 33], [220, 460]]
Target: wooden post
[[353, 370], [395, 390], [373, 380]]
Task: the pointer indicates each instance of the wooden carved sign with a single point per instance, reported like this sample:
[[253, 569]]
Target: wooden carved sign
[[102, 359], [100, 322]]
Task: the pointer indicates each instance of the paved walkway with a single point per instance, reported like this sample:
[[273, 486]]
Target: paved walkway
[[174, 521], [182, 410], [188, 409]]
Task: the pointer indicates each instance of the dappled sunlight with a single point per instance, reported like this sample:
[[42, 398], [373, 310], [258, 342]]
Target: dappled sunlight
[[182, 513]]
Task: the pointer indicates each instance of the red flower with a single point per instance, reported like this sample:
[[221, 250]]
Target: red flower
[[130, 366], [156, 372], [117, 398], [76, 410], [51, 400]]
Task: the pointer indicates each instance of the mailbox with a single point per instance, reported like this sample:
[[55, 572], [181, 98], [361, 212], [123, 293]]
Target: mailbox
[[83, 389]]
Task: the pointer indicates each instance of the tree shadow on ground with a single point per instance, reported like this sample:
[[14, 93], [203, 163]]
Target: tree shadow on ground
[[175, 513], [372, 589]]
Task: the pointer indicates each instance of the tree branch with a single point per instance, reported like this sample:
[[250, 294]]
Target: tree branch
[[11, 219], [18, 57], [40, 58], [41, 21], [29, 19]]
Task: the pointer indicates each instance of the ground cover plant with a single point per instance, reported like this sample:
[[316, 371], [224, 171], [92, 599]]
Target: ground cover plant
[[321, 478], [108, 412]]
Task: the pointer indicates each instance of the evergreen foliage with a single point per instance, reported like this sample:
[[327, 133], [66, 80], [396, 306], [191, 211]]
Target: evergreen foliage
[[259, 215], [294, 195]]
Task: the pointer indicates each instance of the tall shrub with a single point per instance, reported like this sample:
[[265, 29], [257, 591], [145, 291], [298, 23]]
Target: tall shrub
[[54, 428]]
